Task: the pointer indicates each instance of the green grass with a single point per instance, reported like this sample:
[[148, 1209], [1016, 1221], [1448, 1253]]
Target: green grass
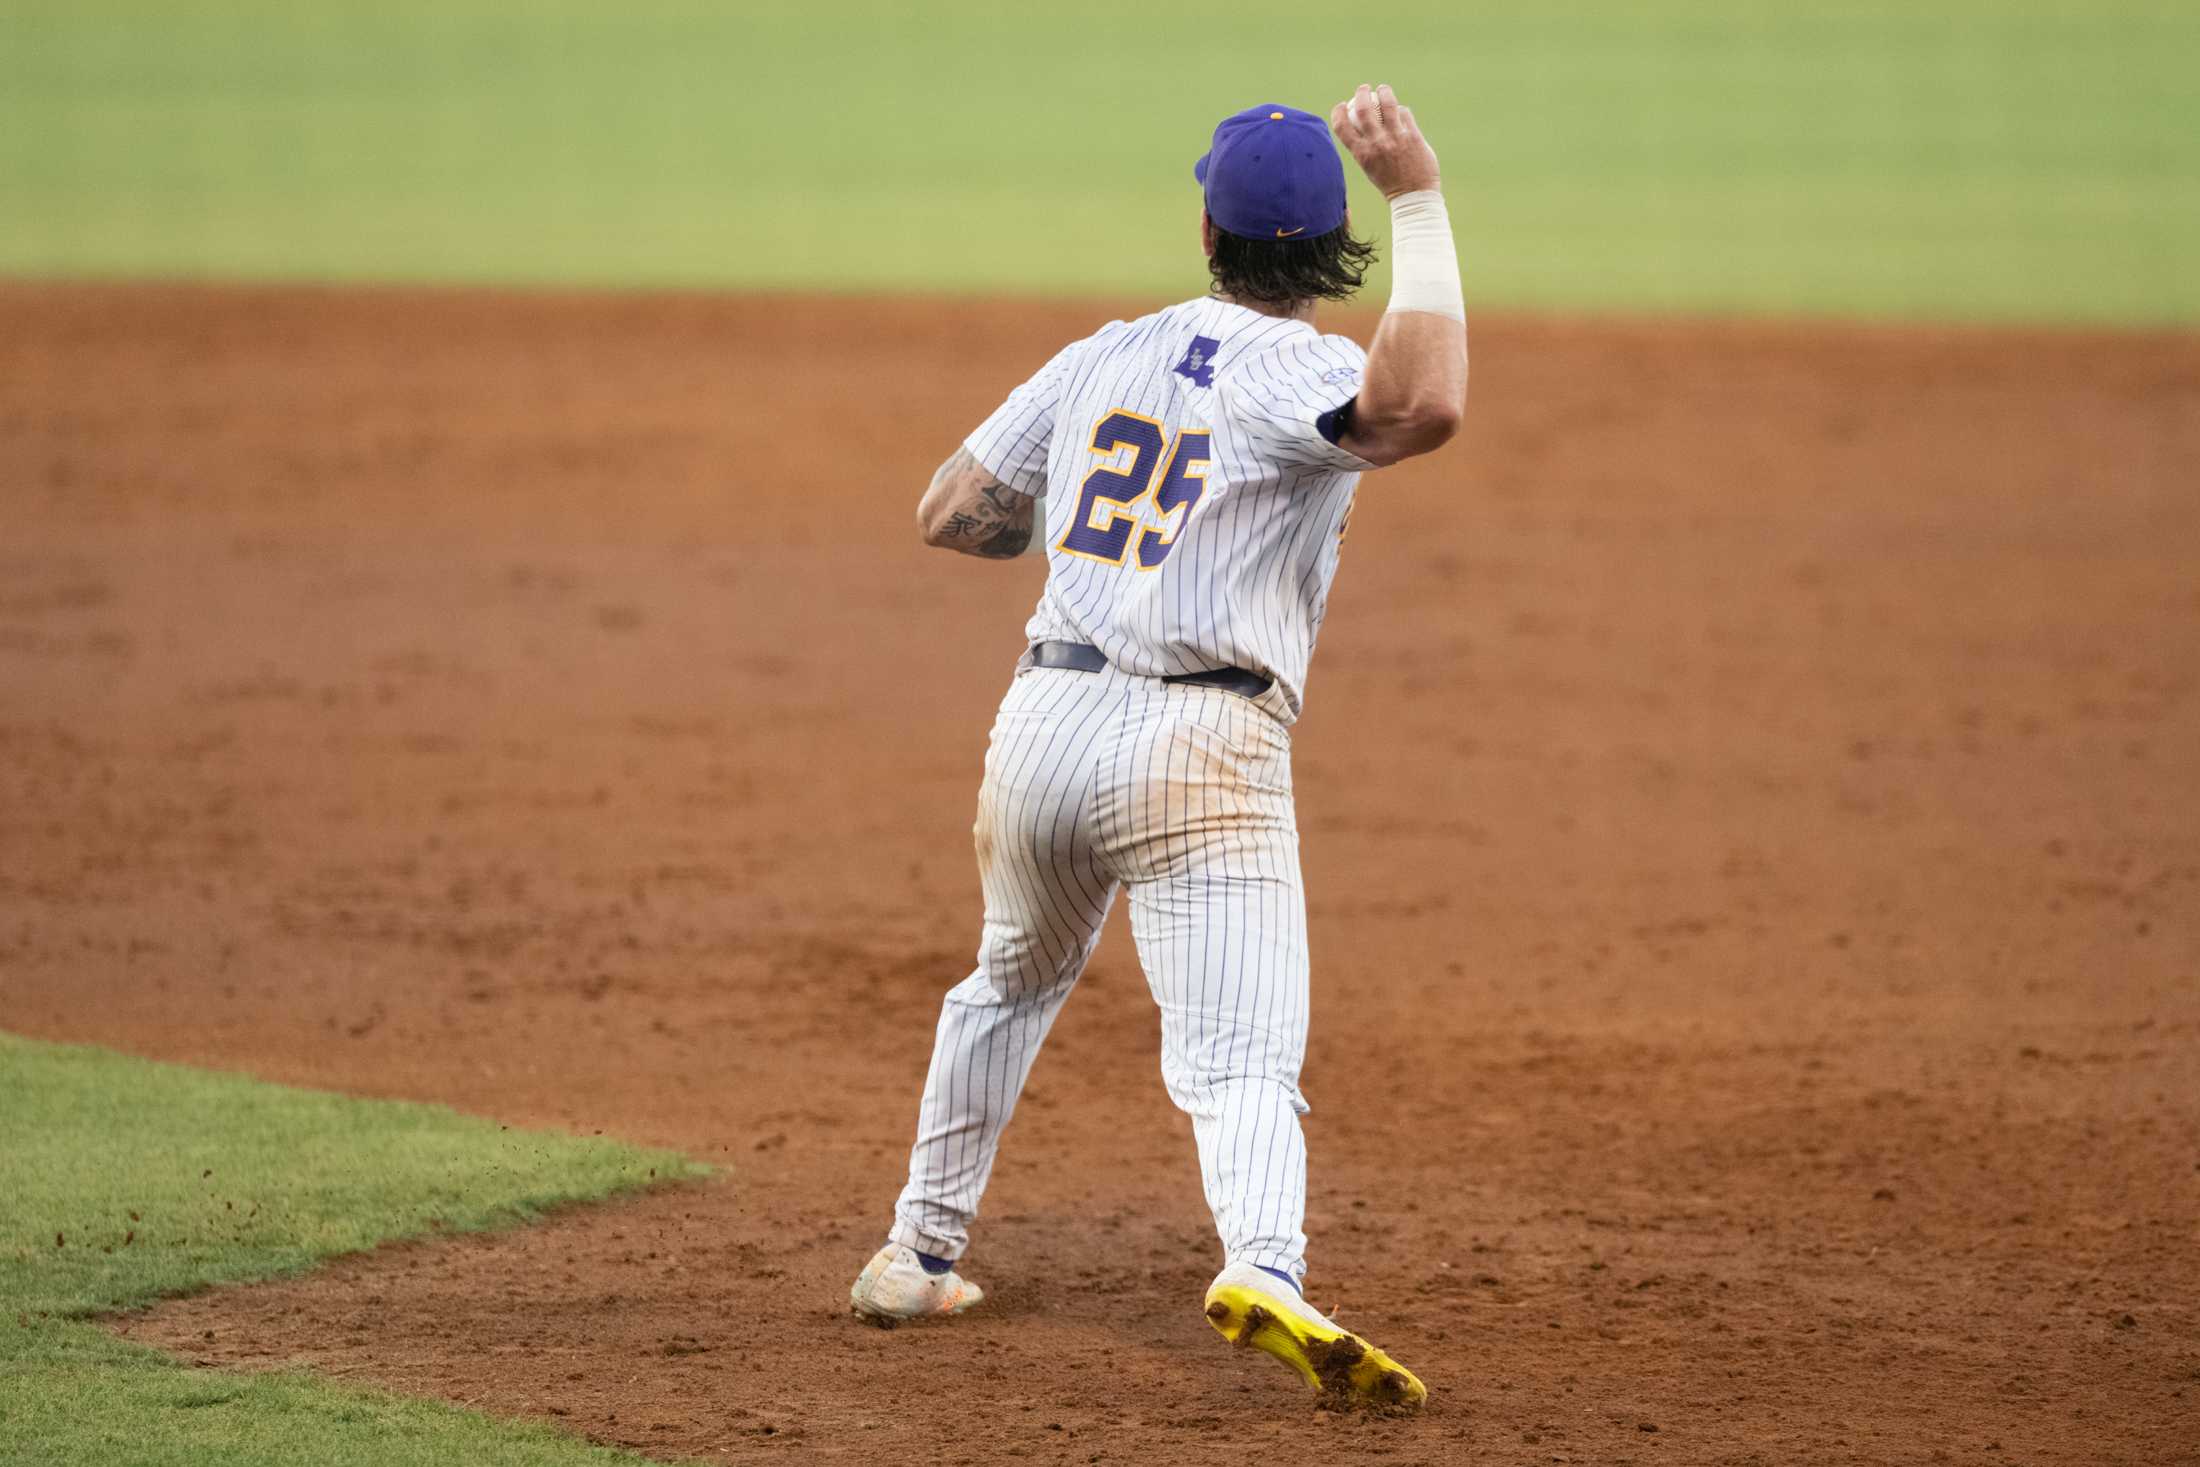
[[127, 1180], [2030, 159], [70, 1393]]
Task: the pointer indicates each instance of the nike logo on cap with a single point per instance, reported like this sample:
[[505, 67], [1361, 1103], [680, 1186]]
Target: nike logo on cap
[[1287, 233]]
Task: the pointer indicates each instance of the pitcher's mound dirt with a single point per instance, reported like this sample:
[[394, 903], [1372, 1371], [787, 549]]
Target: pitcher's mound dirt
[[1749, 795]]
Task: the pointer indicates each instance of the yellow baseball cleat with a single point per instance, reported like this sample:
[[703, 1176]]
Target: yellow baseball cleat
[[1250, 1306]]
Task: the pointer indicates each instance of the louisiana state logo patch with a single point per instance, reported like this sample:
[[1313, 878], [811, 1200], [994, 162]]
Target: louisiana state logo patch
[[1199, 362]]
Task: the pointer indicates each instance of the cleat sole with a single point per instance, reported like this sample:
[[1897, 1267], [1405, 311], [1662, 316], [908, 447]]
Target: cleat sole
[[1346, 1370]]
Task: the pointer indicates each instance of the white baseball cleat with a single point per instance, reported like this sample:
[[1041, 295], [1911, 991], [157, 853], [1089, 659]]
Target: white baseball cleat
[[894, 1286]]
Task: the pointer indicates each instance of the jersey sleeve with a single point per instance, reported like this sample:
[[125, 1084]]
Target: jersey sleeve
[[1012, 443], [1291, 403]]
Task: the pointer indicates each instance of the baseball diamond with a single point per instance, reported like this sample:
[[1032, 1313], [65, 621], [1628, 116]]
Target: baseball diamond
[[1655, 921], [1750, 928]]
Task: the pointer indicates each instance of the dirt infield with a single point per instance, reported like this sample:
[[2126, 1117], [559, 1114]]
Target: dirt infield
[[1749, 791]]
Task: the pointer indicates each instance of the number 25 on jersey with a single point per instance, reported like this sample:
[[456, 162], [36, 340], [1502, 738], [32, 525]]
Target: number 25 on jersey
[[1116, 506]]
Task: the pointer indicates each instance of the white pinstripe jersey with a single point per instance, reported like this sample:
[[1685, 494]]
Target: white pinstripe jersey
[[1195, 507]]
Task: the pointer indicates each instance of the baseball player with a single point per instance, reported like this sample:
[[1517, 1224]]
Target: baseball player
[[1198, 467]]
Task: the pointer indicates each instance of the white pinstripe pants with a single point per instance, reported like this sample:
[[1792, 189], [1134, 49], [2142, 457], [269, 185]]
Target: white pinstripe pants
[[1093, 782]]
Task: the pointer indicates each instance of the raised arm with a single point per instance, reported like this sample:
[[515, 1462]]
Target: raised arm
[[969, 510], [1414, 392]]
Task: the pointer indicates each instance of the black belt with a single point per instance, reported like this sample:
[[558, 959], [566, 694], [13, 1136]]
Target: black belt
[[1084, 657]]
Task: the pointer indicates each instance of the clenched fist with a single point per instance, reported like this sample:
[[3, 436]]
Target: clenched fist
[[1379, 132]]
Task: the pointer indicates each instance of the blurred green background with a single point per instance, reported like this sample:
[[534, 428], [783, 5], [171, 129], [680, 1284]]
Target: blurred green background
[[1985, 159]]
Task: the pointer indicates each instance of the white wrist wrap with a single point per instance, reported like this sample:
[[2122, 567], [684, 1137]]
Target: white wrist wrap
[[1424, 263]]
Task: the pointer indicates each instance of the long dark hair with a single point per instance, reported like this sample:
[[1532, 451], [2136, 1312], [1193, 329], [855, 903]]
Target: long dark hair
[[1326, 267]]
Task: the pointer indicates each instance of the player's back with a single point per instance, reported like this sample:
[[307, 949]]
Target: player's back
[[1196, 495]]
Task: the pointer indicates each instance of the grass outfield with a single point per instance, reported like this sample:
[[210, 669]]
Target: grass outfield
[[2015, 159], [127, 1180]]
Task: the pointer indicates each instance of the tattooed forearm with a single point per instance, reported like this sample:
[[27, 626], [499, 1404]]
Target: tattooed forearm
[[1010, 523], [969, 510], [1009, 540]]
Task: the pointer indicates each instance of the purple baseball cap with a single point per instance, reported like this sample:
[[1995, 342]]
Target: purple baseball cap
[[1273, 173]]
